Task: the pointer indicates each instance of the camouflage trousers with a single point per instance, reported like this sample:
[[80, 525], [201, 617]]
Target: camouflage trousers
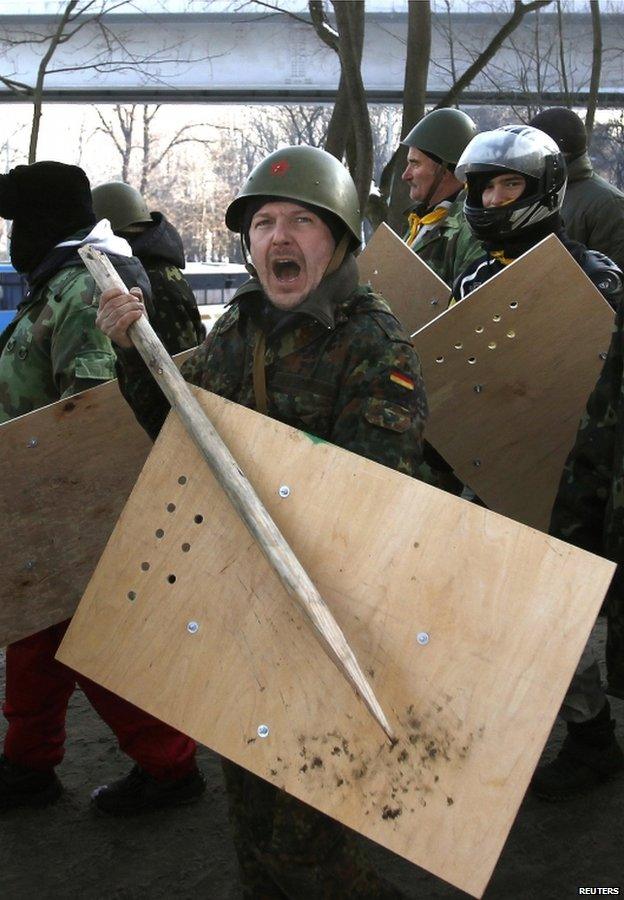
[[286, 849]]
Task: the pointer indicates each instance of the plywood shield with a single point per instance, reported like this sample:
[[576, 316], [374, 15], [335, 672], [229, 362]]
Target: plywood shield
[[508, 373], [468, 625], [67, 471], [414, 292]]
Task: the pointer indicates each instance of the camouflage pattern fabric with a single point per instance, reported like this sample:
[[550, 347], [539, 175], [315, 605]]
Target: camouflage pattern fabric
[[356, 383], [52, 348], [341, 368], [173, 313], [289, 850], [450, 246], [589, 507]]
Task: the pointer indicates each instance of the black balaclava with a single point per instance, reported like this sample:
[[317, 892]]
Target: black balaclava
[[565, 128], [48, 203]]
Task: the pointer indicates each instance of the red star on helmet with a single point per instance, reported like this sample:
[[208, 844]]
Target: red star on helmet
[[280, 167]]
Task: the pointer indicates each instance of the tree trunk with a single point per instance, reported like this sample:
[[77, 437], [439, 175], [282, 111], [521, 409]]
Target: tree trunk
[[41, 74], [340, 125], [350, 22], [594, 84], [414, 93], [562, 62], [145, 162]]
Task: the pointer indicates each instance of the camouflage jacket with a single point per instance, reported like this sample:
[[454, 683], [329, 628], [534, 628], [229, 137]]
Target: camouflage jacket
[[52, 347], [450, 246], [173, 314], [589, 507], [339, 367]]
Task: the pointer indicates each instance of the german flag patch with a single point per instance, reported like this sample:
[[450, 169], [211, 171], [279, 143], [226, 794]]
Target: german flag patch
[[402, 380]]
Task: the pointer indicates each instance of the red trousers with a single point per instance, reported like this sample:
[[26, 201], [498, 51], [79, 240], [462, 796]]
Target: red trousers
[[38, 689]]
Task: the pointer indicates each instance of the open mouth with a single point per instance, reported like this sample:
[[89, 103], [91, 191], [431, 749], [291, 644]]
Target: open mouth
[[285, 270]]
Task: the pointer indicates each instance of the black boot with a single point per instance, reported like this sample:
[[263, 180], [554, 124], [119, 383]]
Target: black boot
[[590, 755], [20, 786], [140, 792]]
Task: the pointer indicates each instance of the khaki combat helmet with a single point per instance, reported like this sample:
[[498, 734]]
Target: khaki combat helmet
[[304, 174], [443, 134], [121, 204]]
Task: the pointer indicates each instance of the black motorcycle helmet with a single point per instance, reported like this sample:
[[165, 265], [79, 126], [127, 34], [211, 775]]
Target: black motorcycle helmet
[[518, 149]]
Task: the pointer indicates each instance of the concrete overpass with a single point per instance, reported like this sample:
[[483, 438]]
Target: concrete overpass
[[261, 57]]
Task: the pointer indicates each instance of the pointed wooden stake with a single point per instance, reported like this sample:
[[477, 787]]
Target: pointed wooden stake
[[239, 491]]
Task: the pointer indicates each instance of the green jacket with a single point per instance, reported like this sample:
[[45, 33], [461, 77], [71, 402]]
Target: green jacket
[[450, 246], [52, 348], [593, 211], [339, 367], [173, 313], [589, 507]]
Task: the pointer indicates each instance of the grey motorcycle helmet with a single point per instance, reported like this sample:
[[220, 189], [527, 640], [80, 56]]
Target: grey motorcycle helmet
[[512, 148]]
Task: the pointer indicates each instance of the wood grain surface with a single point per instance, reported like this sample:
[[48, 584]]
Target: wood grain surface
[[508, 372], [67, 471], [413, 290], [468, 624]]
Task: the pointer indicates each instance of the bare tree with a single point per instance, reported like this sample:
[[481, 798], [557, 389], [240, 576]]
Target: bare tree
[[392, 190], [594, 84], [302, 124], [520, 10], [107, 51], [562, 61], [152, 156], [121, 128], [349, 132]]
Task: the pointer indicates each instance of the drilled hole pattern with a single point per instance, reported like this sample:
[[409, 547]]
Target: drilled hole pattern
[[171, 507], [472, 360], [479, 329], [511, 334], [513, 304], [496, 318], [171, 579], [439, 359], [160, 533], [145, 566], [182, 479], [492, 345], [198, 519], [131, 595], [458, 345], [186, 548]]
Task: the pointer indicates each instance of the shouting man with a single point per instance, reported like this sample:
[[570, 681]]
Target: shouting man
[[303, 343]]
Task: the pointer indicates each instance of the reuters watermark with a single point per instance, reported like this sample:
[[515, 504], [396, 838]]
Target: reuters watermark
[[599, 891]]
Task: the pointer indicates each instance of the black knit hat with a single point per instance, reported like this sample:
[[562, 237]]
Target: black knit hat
[[565, 128], [48, 202]]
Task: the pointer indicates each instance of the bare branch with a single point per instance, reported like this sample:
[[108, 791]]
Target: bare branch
[[520, 11]]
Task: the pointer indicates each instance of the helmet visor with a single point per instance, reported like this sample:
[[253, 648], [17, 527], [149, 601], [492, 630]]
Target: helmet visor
[[523, 150]]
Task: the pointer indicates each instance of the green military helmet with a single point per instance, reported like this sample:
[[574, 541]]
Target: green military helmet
[[121, 204], [444, 133], [304, 174]]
